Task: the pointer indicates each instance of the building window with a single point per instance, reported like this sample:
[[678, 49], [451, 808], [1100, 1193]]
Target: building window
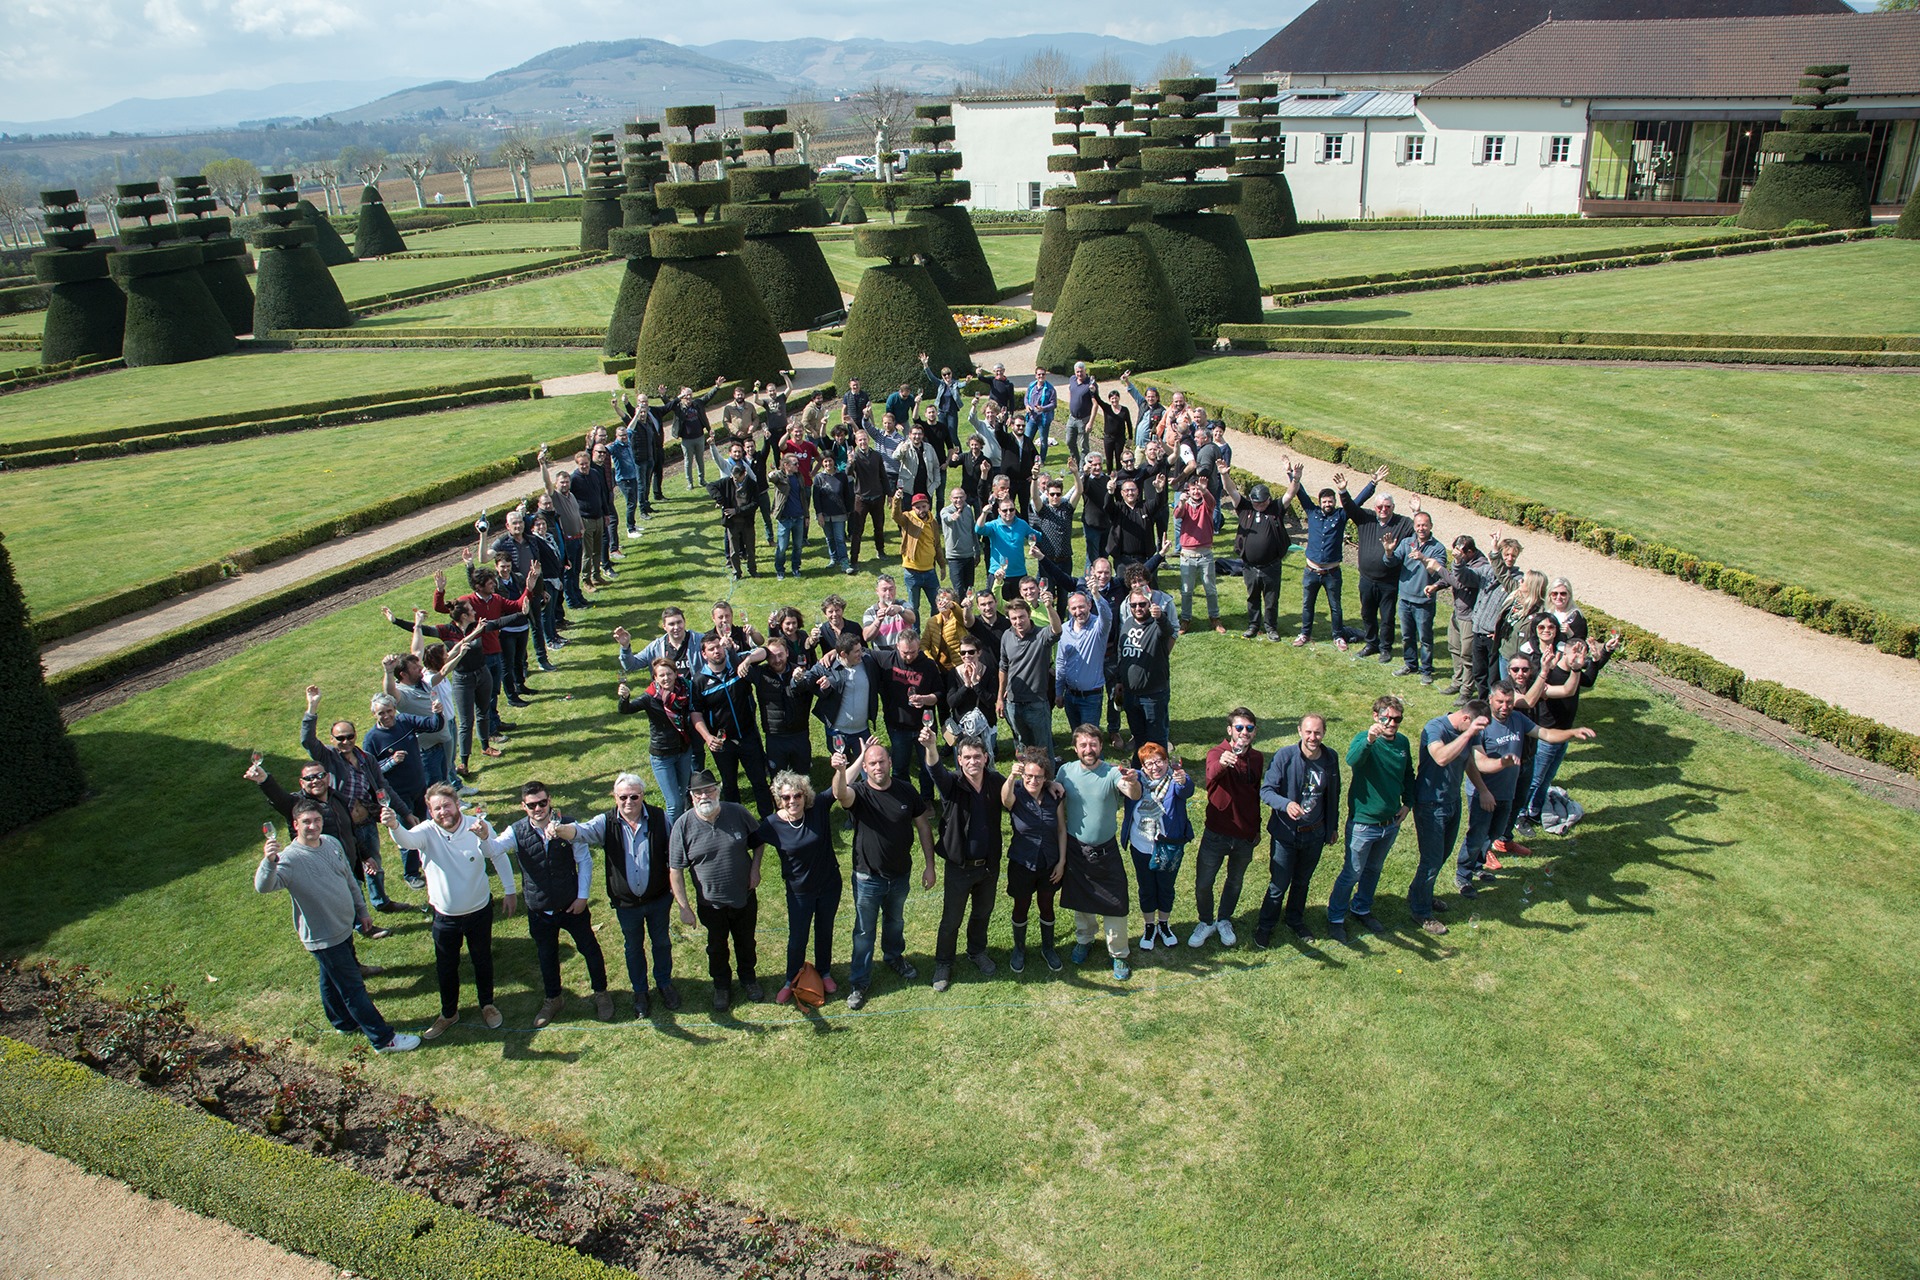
[[1493, 148], [1333, 146], [1033, 195], [1559, 149], [1416, 148]]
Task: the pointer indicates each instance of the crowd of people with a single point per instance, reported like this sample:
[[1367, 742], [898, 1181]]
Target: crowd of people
[[924, 695]]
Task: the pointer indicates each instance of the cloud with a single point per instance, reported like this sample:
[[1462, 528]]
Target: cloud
[[295, 19]]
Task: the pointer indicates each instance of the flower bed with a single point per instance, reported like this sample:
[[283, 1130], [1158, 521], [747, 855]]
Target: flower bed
[[981, 328]]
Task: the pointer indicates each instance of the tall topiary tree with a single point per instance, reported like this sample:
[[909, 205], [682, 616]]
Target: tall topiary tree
[[1056, 242], [171, 315], [1205, 253], [897, 313], [704, 316], [795, 281], [86, 313], [1818, 172], [43, 772], [1265, 207], [223, 255], [327, 241], [635, 244], [1908, 228], [376, 236], [645, 165], [954, 257], [293, 288], [600, 210]]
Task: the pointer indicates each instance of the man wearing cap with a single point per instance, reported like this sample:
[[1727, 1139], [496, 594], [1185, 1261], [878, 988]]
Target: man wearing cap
[[1379, 576], [715, 840], [1262, 545], [919, 548]]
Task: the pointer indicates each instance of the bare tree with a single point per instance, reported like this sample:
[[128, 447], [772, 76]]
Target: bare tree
[[805, 120], [1175, 66], [232, 181], [102, 194], [364, 163], [883, 108], [16, 206], [463, 155], [517, 153], [325, 177], [1109, 68], [416, 165], [567, 151], [1046, 70]]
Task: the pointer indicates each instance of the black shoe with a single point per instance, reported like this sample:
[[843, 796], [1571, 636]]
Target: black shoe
[[503, 727], [1302, 933], [1386, 657], [548, 666], [942, 976], [394, 908], [670, 996], [857, 997], [642, 1007], [1250, 633], [904, 967], [1338, 932], [722, 999], [1368, 652], [1407, 671], [1373, 926], [1262, 937], [1466, 891], [515, 700], [753, 993]]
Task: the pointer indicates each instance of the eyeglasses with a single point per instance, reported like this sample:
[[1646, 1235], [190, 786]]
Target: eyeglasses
[[624, 799], [1389, 719], [965, 653], [1242, 728], [343, 737], [312, 777], [536, 804], [791, 795]]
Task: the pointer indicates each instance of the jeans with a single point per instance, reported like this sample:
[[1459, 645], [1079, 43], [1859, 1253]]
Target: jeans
[[475, 930], [637, 925], [1459, 648], [573, 556], [1032, 724], [1078, 438], [1484, 662], [1290, 871], [1263, 596], [1147, 718], [693, 452], [791, 751], [343, 995], [1436, 831], [631, 487], [1368, 845], [544, 928], [1482, 826], [496, 665], [730, 758], [1546, 763], [469, 694], [922, 582], [647, 484], [1216, 850], [513, 662], [1311, 580], [1378, 601], [742, 551], [961, 888], [835, 529], [1156, 886], [1197, 567], [960, 573], [909, 762], [789, 536], [730, 925], [811, 912], [672, 774], [1083, 707], [877, 901], [1096, 541], [1416, 625]]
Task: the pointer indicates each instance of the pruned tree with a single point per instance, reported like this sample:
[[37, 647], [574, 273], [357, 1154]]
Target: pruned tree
[[1109, 68], [567, 151], [16, 205], [517, 153], [364, 163], [1175, 66], [805, 120], [883, 108], [327, 178], [103, 194], [233, 181], [1044, 72], [416, 165], [463, 155]]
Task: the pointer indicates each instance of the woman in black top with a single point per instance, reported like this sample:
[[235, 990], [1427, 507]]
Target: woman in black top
[[1037, 854], [669, 733], [800, 831], [466, 670]]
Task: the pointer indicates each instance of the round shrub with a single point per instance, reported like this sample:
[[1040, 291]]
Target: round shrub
[[1168, 199], [294, 290], [934, 164], [764, 117], [696, 154], [1207, 260], [757, 182], [693, 117], [794, 279], [763, 219], [1145, 329], [375, 236], [955, 260], [894, 241], [897, 313], [705, 319], [331, 244], [1908, 228], [630, 306], [675, 241], [171, 317]]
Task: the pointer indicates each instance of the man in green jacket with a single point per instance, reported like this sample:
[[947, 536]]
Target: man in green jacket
[[1378, 797]]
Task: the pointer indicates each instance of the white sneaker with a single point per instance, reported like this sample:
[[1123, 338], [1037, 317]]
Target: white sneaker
[[1201, 932], [468, 789], [1224, 931], [402, 1042], [1146, 938]]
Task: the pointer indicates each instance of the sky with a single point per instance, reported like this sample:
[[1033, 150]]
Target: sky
[[62, 58]]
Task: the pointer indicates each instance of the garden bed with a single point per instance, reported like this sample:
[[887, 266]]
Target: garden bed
[[981, 328]]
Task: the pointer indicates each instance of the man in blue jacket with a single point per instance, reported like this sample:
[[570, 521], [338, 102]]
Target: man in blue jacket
[[1302, 786], [1326, 535]]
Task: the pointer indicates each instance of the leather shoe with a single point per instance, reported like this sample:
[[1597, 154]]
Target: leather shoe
[[603, 1005], [549, 1010], [670, 996], [1371, 925], [722, 999], [490, 1017]]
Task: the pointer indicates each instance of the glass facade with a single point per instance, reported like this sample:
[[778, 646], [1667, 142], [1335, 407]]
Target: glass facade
[[1716, 161]]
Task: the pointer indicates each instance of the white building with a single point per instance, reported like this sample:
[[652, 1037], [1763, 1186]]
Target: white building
[[1004, 142]]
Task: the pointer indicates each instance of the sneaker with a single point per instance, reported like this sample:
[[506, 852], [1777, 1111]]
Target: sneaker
[[1299, 642], [617, 555], [1512, 848], [1493, 861], [1201, 932], [1440, 906], [1167, 938], [1426, 679], [466, 789], [1340, 643], [857, 997], [633, 532], [1483, 874], [491, 1017], [1079, 953], [1301, 932], [827, 983], [1250, 633], [902, 966], [1466, 891], [1453, 687], [670, 996], [1224, 931], [402, 1042], [1262, 937], [1432, 926], [439, 1027], [1407, 671], [722, 999], [984, 963], [415, 881], [549, 1010], [1148, 937], [1120, 971], [942, 977], [784, 995], [1527, 827]]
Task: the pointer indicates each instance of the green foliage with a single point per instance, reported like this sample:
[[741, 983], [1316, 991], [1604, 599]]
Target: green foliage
[[84, 317], [375, 236], [1057, 244], [954, 258], [630, 307], [294, 290], [1833, 192], [705, 319], [171, 317], [1908, 228], [332, 246], [1149, 331], [852, 212], [1265, 208], [598, 216], [226, 279], [897, 313], [794, 279], [1206, 259], [43, 772]]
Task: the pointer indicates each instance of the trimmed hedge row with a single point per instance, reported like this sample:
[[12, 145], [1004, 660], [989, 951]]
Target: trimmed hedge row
[[39, 375], [417, 255], [23, 298], [1507, 264], [1582, 351], [1254, 334], [562, 260], [557, 209], [450, 331], [195, 423], [827, 341], [1471, 222], [1813, 609], [301, 1202], [270, 427], [413, 341]]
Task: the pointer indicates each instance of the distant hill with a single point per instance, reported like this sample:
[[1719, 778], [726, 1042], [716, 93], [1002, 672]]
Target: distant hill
[[214, 110]]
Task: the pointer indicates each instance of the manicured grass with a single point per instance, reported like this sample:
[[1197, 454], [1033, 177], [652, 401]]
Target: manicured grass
[[129, 520], [1011, 257], [570, 298], [359, 280], [256, 380], [1745, 467], [498, 235], [1319, 255], [19, 359], [1865, 286], [24, 322], [1662, 1058]]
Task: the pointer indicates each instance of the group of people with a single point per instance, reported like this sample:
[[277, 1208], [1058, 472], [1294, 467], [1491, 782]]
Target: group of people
[[946, 669]]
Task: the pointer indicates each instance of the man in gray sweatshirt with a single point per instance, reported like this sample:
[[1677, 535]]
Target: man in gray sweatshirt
[[326, 904]]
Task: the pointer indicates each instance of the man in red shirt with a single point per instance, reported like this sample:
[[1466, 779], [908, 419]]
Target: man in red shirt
[[795, 442], [1193, 527], [1234, 770]]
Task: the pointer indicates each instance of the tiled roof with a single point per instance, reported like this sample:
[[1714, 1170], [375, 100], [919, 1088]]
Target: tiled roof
[[1695, 58]]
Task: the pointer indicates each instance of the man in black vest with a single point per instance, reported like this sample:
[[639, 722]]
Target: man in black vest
[[1262, 544], [633, 836], [556, 874]]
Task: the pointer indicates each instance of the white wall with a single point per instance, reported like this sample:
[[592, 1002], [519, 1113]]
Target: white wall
[[1005, 146]]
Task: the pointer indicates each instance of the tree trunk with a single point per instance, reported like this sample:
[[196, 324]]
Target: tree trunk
[[566, 178], [419, 193], [526, 179], [466, 180], [581, 160]]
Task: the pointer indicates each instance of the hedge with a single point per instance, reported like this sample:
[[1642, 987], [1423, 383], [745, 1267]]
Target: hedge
[[418, 255], [43, 771], [412, 342], [1579, 351], [1535, 260], [1208, 263], [543, 209], [563, 260], [39, 375], [1148, 332], [175, 425], [301, 1202], [1813, 609], [827, 341], [1473, 222], [1254, 334], [23, 298]]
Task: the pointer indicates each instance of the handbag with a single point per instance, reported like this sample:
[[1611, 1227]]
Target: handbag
[[808, 991]]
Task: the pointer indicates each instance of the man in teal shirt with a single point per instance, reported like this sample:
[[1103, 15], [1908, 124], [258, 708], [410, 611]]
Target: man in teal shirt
[[1380, 795]]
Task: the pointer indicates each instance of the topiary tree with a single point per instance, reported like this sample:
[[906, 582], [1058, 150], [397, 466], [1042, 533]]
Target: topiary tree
[[223, 256], [600, 210], [1818, 172], [852, 212], [645, 165], [1117, 304], [86, 313], [635, 244], [1265, 207], [795, 281], [704, 316], [376, 236], [171, 315], [292, 287], [954, 257], [328, 242], [43, 773], [1205, 254], [897, 313], [1908, 228], [1056, 242]]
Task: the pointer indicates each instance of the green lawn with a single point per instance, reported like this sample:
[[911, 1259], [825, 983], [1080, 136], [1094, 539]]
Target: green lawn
[[188, 506], [257, 380], [1320, 255], [358, 280], [498, 235], [1663, 1058], [1864, 286], [19, 359], [23, 322], [570, 298], [1011, 257], [1737, 466]]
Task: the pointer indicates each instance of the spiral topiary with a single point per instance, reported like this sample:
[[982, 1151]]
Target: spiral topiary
[[292, 287], [1818, 172], [171, 315], [645, 166], [930, 195], [1265, 207], [600, 209], [897, 313], [376, 236], [223, 256], [794, 279], [86, 313], [704, 316], [332, 246]]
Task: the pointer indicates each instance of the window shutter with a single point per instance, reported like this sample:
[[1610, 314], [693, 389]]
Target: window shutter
[[1574, 144], [1293, 147], [1406, 149], [1510, 150], [1546, 149], [1347, 150], [1480, 149], [1426, 152]]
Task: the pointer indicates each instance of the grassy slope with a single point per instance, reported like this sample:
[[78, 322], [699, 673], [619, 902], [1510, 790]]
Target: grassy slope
[[1738, 466], [571, 298], [1321, 254], [359, 280], [267, 486], [258, 380], [1664, 1059], [1862, 287]]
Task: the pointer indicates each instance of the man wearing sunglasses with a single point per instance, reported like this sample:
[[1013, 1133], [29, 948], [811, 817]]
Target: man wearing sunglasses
[[1379, 797], [355, 777], [336, 820], [556, 877], [1234, 770]]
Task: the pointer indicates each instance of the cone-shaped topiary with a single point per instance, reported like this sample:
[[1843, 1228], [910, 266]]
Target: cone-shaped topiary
[[794, 279], [1818, 172], [171, 316], [86, 313], [1205, 254], [223, 256], [930, 195], [600, 209], [1265, 207], [331, 245], [897, 313], [292, 287], [1908, 228], [376, 236], [853, 213], [43, 772], [636, 285], [645, 166], [704, 316], [1117, 304]]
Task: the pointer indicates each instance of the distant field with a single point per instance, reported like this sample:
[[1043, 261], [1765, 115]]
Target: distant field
[[1320, 254], [570, 298]]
